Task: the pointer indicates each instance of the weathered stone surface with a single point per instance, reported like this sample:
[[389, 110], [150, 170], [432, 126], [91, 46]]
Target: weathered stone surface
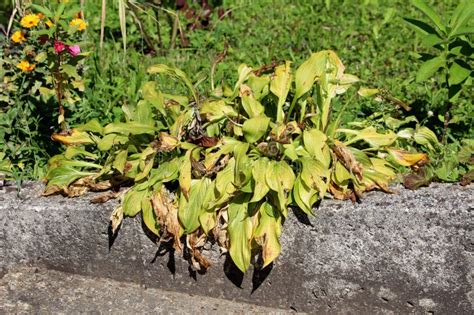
[[406, 252], [28, 290]]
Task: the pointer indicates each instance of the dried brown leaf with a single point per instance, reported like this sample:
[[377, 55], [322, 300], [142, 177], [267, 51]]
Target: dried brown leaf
[[348, 159], [116, 218]]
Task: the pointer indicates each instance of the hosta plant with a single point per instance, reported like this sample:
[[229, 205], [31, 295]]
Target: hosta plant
[[226, 168]]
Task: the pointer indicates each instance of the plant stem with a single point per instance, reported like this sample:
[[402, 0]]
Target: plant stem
[[449, 104], [59, 90]]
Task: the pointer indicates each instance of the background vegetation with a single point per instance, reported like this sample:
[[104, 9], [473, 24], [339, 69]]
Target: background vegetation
[[370, 36]]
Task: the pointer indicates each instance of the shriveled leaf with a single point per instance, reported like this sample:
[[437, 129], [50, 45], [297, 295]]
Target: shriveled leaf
[[348, 159], [74, 138], [166, 212], [407, 158], [61, 177], [116, 218]]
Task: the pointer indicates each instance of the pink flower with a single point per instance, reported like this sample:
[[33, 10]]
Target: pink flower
[[74, 50], [59, 46]]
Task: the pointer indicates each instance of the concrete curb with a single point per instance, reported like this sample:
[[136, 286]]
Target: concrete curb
[[407, 252]]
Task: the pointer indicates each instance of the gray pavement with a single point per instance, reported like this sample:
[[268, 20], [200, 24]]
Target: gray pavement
[[30, 290]]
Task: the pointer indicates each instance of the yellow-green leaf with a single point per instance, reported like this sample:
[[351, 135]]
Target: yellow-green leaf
[[268, 232], [255, 128]]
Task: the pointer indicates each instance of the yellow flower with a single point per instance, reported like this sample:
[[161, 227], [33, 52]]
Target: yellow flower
[[49, 23], [79, 23], [18, 37], [30, 20], [26, 66]]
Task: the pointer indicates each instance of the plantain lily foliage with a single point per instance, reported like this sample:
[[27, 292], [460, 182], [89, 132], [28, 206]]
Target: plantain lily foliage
[[226, 168]]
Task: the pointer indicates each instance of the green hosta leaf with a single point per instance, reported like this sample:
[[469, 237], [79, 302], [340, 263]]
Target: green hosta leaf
[[308, 72], [110, 140], [268, 232], [311, 174], [224, 188], [255, 128], [240, 230], [145, 170], [132, 202], [259, 85], [383, 167], [120, 160], [144, 113], [304, 196], [314, 142], [341, 175], [425, 136], [166, 172], [72, 151], [280, 178], [132, 127], [242, 172], [208, 221], [217, 109], [153, 96], [91, 126], [429, 68], [458, 73], [280, 86], [244, 72], [431, 14], [65, 175], [371, 136], [149, 217], [185, 174], [259, 171], [189, 211], [252, 107]]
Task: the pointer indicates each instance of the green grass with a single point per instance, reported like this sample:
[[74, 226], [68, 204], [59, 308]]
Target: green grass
[[370, 36]]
